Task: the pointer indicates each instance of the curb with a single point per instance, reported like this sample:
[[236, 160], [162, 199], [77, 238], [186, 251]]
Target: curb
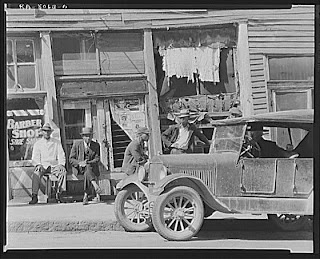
[[50, 226]]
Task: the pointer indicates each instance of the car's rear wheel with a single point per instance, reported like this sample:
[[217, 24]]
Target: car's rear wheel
[[288, 222], [131, 209], [178, 214]]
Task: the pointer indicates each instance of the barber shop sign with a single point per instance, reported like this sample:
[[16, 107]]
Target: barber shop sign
[[23, 130]]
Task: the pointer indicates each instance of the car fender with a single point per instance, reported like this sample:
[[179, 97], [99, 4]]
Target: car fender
[[309, 209], [195, 183], [133, 179]]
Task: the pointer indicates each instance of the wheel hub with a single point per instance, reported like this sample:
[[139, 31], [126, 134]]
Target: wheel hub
[[178, 213], [138, 207]]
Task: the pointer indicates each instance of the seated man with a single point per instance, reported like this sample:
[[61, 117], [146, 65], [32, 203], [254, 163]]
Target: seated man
[[49, 158], [268, 149], [134, 155], [84, 158], [178, 138]]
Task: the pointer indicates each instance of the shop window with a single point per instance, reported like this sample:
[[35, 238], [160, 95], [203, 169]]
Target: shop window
[[25, 117], [21, 64], [74, 54], [121, 53]]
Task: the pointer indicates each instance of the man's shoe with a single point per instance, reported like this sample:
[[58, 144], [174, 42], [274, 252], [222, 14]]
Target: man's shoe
[[85, 201], [34, 199], [96, 200]]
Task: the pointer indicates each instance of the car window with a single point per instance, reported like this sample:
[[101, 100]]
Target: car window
[[227, 138]]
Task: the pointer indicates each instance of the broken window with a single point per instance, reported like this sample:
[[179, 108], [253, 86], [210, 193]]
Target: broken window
[[21, 64]]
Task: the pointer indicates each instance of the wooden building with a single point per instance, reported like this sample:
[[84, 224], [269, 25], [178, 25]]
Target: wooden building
[[105, 68]]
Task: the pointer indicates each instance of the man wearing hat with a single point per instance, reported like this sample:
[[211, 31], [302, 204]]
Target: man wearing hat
[[267, 148], [234, 112], [48, 157], [134, 155], [178, 138], [84, 158]]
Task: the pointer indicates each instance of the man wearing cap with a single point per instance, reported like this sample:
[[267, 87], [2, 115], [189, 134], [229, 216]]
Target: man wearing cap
[[179, 138], [84, 158], [134, 155], [48, 157]]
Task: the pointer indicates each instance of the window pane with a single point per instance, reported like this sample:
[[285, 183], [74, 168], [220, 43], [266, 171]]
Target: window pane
[[74, 54], [10, 77], [74, 121], [291, 68], [26, 76], [25, 51], [9, 52], [291, 101], [121, 52]]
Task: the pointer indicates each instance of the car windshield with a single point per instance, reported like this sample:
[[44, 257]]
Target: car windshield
[[227, 138]]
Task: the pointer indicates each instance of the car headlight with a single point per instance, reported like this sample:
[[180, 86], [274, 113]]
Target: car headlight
[[163, 172]]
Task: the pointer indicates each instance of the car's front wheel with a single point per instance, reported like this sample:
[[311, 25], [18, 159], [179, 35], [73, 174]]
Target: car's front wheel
[[288, 222], [131, 209], [178, 214]]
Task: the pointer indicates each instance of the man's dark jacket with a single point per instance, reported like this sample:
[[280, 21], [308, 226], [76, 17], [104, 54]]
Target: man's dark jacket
[[170, 135], [133, 157], [77, 155]]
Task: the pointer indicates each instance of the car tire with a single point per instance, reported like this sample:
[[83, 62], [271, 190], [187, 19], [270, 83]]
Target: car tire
[[131, 210], [288, 222], [178, 213]]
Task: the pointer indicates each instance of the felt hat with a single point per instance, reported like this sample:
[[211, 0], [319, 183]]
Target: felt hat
[[86, 131], [46, 127], [183, 113], [143, 130], [235, 111]]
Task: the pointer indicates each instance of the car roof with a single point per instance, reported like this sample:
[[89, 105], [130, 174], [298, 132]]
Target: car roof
[[292, 118]]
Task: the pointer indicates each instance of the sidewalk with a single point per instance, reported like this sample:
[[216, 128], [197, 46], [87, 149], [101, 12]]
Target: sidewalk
[[41, 217]]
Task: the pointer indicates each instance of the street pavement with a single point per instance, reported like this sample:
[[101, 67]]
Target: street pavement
[[74, 216]]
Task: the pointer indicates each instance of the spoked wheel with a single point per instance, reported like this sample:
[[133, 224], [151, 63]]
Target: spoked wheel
[[178, 214], [288, 222], [132, 210]]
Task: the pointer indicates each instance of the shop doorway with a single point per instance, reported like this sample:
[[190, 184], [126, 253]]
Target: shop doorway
[[114, 122]]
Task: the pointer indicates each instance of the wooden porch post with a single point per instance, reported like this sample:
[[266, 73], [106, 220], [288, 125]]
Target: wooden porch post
[[152, 98], [49, 82], [244, 70]]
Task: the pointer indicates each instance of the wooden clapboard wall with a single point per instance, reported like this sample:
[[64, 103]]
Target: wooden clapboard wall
[[283, 32], [270, 31]]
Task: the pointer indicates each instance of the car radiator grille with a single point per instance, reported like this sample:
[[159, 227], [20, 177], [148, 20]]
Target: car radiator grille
[[205, 175]]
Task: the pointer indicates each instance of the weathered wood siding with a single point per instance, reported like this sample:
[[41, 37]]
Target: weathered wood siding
[[284, 32], [270, 31]]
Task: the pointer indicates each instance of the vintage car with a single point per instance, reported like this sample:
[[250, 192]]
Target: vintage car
[[180, 190]]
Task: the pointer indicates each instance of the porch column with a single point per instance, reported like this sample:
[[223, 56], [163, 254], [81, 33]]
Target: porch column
[[152, 98], [49, 82], [244, 70]]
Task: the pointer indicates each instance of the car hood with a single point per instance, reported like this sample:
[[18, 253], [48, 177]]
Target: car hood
[[185, 161]]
